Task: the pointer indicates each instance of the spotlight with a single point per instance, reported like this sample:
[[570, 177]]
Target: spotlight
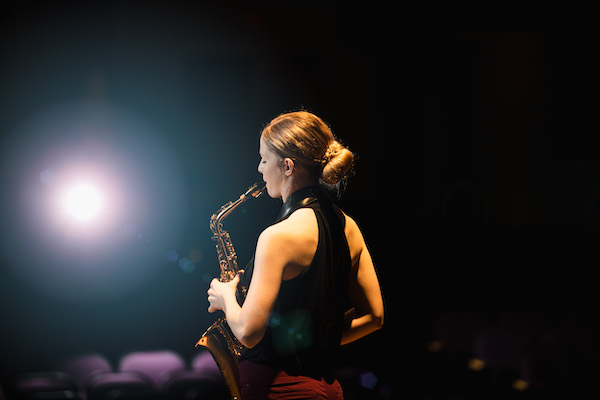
[[83, 202], [93, 183]]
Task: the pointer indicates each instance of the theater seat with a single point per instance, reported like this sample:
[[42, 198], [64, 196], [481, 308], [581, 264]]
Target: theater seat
[[202, 381], [128, 385], [205, 363], [82, 367], [155, 365], [45, 385]]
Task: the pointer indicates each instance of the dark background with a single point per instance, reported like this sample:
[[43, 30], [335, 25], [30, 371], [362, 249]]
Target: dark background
[[476, 184]]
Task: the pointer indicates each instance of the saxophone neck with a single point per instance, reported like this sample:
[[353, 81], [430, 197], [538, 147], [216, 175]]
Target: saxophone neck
[[253, 191]]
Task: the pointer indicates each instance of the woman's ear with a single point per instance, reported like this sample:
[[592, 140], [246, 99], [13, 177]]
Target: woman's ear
[[288, 166]]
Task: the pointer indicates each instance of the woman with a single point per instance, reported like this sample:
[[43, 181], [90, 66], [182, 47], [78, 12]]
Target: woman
[[313, 286]]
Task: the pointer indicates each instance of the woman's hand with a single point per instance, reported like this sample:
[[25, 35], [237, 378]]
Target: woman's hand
[[220, 291]]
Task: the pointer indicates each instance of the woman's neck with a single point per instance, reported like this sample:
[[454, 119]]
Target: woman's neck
[[294, 185]]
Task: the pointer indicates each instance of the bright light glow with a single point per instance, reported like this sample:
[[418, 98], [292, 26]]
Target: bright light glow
[[83, 202], [98, 194]]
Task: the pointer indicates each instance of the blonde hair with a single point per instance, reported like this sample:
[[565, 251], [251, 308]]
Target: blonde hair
[[307, 140]]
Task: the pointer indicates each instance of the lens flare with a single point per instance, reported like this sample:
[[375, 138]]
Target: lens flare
[[99, 195], [83, 202]]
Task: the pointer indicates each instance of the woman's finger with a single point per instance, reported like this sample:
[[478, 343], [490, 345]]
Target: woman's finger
[[213, 282]]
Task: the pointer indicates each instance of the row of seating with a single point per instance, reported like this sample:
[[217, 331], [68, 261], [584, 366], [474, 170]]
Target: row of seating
[[157, 375], [140, 375], [532, 350]]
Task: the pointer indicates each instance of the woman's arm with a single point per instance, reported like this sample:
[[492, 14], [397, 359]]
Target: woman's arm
[[249, 323], [363, 290]]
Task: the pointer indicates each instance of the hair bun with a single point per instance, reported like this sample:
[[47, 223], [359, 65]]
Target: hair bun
[[336, 163]]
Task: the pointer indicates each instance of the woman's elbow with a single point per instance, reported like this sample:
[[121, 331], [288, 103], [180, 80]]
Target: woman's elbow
[[377, 321], [248, 342], [377, 317], [251, 339]]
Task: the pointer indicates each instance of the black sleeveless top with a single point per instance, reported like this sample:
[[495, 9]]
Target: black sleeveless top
[[305, 327]]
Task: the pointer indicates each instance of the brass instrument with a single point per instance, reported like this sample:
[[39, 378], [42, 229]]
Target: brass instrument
[[218, 338]]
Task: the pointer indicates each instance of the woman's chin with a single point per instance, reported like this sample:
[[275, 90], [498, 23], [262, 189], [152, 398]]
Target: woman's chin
[[272, 194]]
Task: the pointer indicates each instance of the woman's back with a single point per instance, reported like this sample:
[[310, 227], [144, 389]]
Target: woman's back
[[307, 319]]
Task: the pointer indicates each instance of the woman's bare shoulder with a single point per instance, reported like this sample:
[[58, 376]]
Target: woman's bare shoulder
[[291, 242], [297, 228], [301, 222]]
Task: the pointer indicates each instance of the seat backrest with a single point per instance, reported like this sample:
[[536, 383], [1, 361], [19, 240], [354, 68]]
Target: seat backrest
[[121, 385], [156, 365], [205, 363], [82, 366]]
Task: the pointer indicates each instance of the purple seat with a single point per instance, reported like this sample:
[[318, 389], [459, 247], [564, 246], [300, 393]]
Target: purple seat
[[202, 381], [81, 367], [156, 365], [205, 363], [47, 385], [128, 385]]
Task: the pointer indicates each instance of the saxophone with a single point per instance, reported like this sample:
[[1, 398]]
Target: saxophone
[[218, 338]]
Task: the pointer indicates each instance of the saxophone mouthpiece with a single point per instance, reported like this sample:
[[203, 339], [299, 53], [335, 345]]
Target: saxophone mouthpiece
[[255, 190]]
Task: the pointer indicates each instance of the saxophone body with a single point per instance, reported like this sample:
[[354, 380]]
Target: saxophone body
[[218, 338]]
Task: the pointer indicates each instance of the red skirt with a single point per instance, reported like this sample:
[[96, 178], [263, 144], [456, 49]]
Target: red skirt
[[260, 382]]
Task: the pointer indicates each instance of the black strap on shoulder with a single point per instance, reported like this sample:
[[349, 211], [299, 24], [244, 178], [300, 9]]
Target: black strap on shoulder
[[298, 199]]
